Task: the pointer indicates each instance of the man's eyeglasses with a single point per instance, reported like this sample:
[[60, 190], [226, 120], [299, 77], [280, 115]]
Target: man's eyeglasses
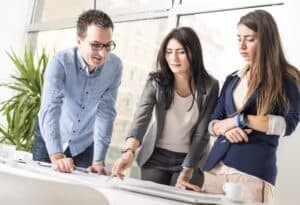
[[99, 46]]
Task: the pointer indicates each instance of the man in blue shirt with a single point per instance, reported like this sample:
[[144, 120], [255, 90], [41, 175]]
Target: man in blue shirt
[[77, 112]]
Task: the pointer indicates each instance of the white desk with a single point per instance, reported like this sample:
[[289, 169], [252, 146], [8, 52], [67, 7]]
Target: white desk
[[90, 186]]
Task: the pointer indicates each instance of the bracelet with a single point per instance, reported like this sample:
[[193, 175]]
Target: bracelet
[[128, 149], [187, 172]]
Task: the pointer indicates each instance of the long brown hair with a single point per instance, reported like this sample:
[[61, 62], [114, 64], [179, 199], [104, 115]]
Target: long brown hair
[[270, 67], [189, 40]]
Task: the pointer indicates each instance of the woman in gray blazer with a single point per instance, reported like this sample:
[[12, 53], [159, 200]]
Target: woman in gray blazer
[[171, 119]]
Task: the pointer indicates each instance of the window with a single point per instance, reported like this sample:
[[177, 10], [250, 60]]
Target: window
[[131, 6], [55, 40], [54, 10], [219, 39], [137, 45]]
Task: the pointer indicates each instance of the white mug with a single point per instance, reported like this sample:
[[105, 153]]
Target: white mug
[[234, 191]]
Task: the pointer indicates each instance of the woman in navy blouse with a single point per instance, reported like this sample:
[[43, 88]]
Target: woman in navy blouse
[[257, 105]]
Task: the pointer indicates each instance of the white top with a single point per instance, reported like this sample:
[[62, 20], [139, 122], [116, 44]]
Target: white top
[[240, 91], [176, 135]]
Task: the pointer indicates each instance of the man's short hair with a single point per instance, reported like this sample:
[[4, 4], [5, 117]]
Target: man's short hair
[[92, 16]]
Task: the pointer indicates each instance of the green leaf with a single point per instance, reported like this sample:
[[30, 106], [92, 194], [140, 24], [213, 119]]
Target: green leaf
[[20, 110]]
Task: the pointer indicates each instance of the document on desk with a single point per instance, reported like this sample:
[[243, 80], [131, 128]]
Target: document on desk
[[129, 184], [80, 175], [169, 192]]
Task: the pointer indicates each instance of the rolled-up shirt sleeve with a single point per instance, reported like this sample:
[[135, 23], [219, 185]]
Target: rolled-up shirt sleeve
[[210, 128], [276, 125]]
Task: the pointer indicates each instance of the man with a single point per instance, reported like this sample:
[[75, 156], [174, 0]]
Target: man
[[77, 112]]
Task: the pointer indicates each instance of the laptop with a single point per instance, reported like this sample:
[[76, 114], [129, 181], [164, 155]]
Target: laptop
[[173, 193]]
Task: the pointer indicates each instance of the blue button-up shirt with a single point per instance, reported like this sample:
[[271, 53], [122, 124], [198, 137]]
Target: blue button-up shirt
[[78, 108]]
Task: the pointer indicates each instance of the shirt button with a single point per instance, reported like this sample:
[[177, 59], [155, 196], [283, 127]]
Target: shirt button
[[86, 93], [78, 120], [73, 131], [83, 107]]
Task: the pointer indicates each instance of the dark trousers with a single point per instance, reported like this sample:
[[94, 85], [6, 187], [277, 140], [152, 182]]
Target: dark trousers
[[164, 167], [40, 153]]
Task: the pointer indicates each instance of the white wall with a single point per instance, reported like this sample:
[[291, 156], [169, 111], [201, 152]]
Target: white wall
[[14, 15], [290, 30], [288, 180]]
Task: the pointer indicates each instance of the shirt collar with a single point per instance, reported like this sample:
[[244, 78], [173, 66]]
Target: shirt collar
[[81, 62], [83, 65]]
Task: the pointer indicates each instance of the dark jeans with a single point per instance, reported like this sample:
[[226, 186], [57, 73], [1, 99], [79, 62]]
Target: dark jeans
[[164, 167], [40, 153]]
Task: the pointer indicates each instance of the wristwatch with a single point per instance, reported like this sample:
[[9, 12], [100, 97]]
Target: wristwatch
[[242, 120], [187, 172]]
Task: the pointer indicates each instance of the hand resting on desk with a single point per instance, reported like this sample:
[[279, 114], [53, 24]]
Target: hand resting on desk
[[61, 163], [98, 169]]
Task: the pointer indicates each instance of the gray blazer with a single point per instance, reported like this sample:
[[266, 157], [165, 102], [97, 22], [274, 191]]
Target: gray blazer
[[147, 128]]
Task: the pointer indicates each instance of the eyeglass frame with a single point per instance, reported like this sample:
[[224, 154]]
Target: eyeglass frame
[[99, 46]]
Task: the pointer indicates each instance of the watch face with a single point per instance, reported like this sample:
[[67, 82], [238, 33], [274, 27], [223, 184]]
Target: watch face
[[241, 120], [244, 121]]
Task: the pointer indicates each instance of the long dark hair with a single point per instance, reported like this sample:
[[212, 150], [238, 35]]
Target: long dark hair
[[190, 42], [270, 66]]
